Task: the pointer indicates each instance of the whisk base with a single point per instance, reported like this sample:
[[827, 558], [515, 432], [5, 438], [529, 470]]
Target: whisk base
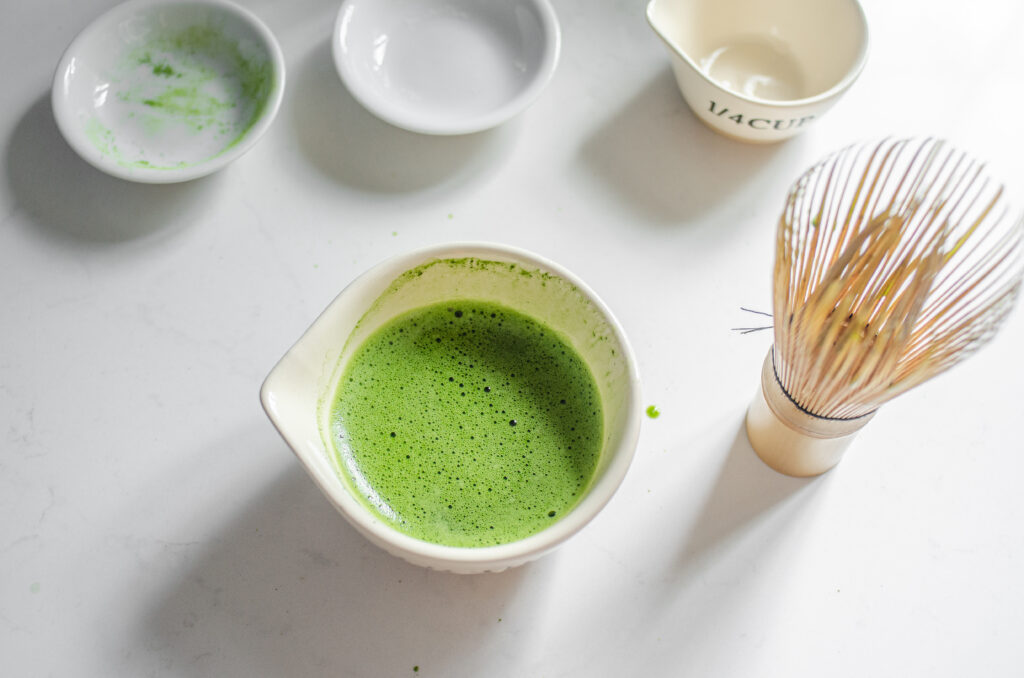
[[790, 440]]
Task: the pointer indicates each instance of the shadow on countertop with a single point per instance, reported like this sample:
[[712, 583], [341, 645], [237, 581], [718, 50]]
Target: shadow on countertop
[[735, 554], [69, 199], [285, 587], [712, 532], [346, 143], [745, 492], [658, 157], [290, 589]]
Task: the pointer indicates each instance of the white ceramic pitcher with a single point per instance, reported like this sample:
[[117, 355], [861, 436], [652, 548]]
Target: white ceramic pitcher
[[762, 70]]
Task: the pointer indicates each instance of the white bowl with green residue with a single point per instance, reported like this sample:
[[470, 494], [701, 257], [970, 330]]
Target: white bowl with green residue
[[163, 91], [301, 396]]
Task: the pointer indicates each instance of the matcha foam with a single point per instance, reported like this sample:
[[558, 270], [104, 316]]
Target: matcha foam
[[467, 424]]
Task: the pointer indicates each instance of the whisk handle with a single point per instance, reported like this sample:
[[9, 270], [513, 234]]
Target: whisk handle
[[788, 438]]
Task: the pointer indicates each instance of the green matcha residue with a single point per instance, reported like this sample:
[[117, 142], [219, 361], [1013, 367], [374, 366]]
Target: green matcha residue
[[163, 69], [467, 423], [102, 138], [197, 81], [653, 412]]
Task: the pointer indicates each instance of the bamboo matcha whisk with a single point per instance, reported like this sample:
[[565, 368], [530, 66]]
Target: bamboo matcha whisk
[[894, 261]]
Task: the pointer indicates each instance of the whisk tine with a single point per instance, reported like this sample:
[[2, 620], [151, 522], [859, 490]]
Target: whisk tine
[[894, 261]]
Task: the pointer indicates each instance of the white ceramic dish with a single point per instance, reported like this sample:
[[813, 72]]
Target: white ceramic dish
[[446, 66], [162, 91], [297, 393], [762, 71]]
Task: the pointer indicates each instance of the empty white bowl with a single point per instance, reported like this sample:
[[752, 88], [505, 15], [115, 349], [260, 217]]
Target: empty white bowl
[[762, 71], [446, 66], [162, 91], [298, 392]]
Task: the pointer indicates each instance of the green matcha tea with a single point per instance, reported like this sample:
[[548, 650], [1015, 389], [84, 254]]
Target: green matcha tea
[[467, 424]]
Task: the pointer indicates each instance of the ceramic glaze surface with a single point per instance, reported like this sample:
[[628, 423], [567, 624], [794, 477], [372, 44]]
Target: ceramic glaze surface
[[757, 68], [445, 66]]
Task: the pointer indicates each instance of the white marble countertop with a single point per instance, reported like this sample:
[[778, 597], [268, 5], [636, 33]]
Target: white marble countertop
[[152, 522]]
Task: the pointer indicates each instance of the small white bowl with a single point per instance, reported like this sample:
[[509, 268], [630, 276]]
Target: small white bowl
[[162, 91], [762, 71], [446, 66], [298, 392]]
